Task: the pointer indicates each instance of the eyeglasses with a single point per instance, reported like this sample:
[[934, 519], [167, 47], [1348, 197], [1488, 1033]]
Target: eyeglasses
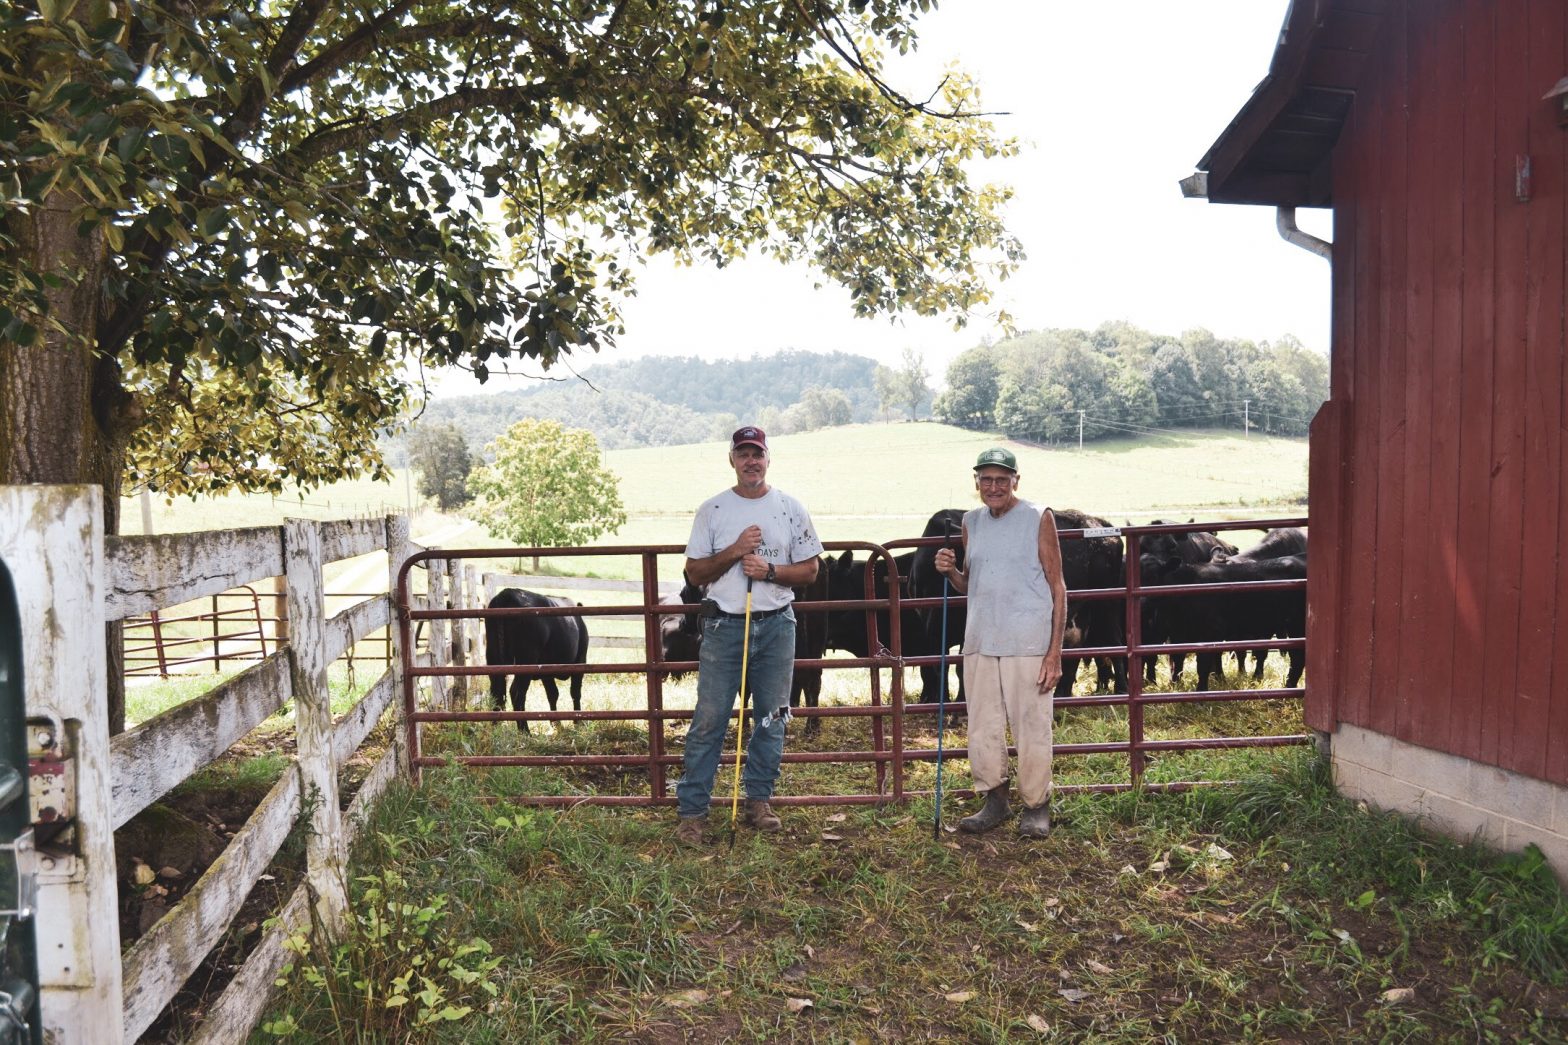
[[995, 480]]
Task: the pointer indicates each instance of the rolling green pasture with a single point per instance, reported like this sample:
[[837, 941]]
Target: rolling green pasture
[[874, 482]]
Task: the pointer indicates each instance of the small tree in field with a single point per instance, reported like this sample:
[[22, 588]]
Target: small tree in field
[[546, 486], [440, 454]]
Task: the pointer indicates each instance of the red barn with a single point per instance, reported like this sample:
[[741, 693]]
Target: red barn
[[1438, 585]]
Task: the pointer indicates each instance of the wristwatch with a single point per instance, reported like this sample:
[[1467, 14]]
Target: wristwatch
[[772, 573]]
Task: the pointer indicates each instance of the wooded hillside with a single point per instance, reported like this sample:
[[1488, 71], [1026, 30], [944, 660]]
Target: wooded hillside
[[671, 401]]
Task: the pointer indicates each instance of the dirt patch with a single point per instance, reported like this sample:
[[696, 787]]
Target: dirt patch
[[163, 851]]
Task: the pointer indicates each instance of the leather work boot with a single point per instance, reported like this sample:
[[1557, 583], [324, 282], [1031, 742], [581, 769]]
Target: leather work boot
[[1035, 821], [760, 815], [992, 813], [689, 830]]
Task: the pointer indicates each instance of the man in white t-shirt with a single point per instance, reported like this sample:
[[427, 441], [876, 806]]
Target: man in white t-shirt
[[751, 533]]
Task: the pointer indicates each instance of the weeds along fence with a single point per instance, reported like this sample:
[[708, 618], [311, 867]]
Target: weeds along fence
[[72, 581]]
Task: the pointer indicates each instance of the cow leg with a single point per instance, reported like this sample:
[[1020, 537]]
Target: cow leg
[[1298, 662], [551, 692], [1064, 685], [498, 692], [520, 698], [1208, 664], [805, 689], [576, 686], [1258, 657], [1178, 666]]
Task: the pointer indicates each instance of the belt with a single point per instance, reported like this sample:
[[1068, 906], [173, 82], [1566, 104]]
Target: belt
[[755, 614]]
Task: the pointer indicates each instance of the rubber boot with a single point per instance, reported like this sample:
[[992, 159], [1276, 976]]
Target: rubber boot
[[992, 813], [1035, 821]]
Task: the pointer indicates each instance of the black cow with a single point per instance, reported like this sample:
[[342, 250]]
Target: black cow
[[846, 629], [533, 639], [1093, 562], [1194, 546], [1230, 616], [811, 642], [926, 582], [681, 635], [1276, 544]]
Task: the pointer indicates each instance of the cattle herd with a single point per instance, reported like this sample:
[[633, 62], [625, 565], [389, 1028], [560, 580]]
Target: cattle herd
[[1090, 562]]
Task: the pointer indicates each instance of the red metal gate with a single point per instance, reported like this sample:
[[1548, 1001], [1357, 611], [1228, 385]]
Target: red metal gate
[[888, 754]]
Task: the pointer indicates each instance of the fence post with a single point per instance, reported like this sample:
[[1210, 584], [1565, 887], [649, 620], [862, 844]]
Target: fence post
[[397, 551], [458, 571], [325, 852], [435, 599], [51, 538]]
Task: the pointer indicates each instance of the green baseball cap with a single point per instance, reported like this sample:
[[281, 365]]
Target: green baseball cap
[[999, 457]]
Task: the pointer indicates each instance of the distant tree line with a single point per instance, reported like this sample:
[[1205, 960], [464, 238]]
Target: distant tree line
[[671, 401], [1121, 380]]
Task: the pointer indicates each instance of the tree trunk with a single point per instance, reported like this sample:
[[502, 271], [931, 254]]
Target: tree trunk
[[65, 415]]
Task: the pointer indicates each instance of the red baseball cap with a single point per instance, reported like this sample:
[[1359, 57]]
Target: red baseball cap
[[751, 435]]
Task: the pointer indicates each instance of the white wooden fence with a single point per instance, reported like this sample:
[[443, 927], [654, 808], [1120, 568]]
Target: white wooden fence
[[71, 581]]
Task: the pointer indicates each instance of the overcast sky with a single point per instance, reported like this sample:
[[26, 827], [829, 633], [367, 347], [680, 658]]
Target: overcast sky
[[1114, 101]]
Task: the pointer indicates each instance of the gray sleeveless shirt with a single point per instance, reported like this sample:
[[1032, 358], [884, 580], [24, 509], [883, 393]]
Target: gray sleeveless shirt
[[1010, 604]]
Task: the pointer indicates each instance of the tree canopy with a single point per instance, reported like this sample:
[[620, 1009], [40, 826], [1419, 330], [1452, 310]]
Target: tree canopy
[[440, 454], [546, 486], [234, 233], [1049, 385]]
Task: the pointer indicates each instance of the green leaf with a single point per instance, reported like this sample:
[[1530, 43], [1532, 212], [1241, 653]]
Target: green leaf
[[213, 221]]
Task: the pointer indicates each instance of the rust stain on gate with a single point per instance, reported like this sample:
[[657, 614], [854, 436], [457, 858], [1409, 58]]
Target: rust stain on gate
[[888, 754]]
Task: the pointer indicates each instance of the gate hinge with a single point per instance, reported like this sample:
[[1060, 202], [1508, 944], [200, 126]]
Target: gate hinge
[[25, 858]]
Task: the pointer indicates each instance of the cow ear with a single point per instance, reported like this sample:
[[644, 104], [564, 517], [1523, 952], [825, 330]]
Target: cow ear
[[847, 559]]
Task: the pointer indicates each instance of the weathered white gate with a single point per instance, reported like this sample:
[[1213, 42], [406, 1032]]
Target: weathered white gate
[[70, 582]]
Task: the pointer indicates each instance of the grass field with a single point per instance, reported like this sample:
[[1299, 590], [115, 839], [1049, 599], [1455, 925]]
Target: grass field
[[861, 482]]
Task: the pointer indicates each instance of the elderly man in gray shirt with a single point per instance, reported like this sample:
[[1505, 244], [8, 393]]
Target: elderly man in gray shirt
[[1017, 610]]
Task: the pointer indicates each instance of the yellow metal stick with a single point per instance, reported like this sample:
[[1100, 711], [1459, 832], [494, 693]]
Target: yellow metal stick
[[740, 727]]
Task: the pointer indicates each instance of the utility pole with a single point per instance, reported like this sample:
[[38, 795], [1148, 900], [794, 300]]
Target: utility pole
[[1246, 423], [146, 511], [1080, 430]]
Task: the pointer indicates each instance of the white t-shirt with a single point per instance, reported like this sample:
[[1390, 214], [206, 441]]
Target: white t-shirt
[[788, 536]]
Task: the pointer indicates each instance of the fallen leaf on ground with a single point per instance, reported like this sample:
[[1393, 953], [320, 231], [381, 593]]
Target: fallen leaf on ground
[[1052, 901], [1130, 869], [1399, 995], [1098, 968], [1217, 852], [1038, 1023], [1159, 866], [959, 997], [143, 874], [838, 818], [1027, 927], [170, 872], [686, 999], [829, 836], [798, 1004], [810, 952], [1073, 993]]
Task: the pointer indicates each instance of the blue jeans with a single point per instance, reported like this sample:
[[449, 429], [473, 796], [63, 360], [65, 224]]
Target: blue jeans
[[771, 660]]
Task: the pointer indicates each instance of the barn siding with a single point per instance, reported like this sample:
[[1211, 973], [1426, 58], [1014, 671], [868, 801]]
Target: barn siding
[[1449, 374]]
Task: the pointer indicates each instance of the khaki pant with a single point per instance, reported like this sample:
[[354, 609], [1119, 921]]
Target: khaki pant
[[999, 691]]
